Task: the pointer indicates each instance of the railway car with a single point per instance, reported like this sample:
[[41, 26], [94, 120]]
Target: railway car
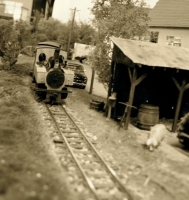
[[183, 130], [49, 72]]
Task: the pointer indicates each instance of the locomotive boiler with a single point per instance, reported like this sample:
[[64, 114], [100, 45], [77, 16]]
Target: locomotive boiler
[[49, 72]]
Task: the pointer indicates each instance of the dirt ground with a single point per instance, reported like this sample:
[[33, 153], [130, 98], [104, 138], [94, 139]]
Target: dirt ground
[[30, 169]]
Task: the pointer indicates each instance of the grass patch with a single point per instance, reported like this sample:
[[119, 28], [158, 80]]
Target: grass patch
[[28, 168]]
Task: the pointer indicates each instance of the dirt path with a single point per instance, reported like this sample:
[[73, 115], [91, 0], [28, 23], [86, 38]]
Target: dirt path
[[162, 174]]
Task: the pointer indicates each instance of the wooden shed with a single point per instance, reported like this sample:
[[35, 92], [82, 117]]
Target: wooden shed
[[143, 72]]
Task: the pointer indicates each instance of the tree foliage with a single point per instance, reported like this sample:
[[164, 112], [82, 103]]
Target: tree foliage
[[85, 33], [24, 32], [119, 18], [10, 43], [55, 30], [16, 35]]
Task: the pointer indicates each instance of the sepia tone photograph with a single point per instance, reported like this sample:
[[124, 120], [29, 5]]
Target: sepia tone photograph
[[94, 99]]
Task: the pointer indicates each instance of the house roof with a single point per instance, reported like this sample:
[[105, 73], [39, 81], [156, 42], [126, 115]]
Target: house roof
[[170, 13], [153, 54]]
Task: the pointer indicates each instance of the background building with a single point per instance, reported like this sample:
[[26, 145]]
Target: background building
[[44, 7], [169, 23], [25, 9]]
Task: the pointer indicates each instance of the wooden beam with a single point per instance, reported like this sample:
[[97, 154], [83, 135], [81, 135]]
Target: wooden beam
[[130, 74], [134, 82], [186, 86], [111, 78], [131, 96], [141, 78], [176, 83], [110, 84], [179, 101], [140, 65]]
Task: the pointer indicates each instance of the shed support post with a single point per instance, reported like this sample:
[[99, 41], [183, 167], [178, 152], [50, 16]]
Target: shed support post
[[131, 95], [111, 78], [179, 101], [110, 84]]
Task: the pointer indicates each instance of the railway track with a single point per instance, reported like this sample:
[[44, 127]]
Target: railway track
[[80, 155]]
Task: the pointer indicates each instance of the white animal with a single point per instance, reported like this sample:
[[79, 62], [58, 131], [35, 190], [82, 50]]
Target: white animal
[[156, 135]]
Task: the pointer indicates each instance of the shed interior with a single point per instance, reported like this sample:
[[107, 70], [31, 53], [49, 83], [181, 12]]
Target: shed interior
[[147, 73], [156, 89]]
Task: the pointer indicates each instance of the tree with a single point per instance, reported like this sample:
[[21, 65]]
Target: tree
[[81, 33], [85, 33], [119, 18], [55, 30], [14, 36], [51, 28], [23, 29], [10, 43]]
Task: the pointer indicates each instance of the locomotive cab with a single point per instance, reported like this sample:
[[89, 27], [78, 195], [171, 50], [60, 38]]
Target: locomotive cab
[[49, 74]]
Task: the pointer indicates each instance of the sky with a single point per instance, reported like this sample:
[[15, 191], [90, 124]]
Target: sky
[[151, 3], [63, 9]]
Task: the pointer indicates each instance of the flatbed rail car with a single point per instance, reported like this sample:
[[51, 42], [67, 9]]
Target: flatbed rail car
[[49, 72]]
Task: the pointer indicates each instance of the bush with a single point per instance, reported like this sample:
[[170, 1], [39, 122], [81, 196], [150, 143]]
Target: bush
[[10, 43]]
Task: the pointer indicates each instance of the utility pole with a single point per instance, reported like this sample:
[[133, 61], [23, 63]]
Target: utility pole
[[92, 81], [70, 34]]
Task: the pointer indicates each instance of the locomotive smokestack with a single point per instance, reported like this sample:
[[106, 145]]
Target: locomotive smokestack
[[56, 58], [56, 53]]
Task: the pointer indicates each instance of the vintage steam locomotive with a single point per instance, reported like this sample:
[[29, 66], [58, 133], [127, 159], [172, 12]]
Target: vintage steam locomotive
[[49, 72]]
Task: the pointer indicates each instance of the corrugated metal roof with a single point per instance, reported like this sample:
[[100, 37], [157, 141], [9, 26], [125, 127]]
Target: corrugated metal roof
[[152, 54], [170, 13]]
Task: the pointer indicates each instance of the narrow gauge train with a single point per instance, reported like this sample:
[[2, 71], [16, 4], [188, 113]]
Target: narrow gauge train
[[49, 74]]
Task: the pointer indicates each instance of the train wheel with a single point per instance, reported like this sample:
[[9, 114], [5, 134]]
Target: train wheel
[[64, 95]]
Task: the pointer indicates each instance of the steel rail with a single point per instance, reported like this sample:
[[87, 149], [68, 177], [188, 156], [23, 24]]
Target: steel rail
[[110, 170], [90, 184]]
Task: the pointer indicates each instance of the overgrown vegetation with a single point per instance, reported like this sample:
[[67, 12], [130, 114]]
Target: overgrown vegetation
[[10, 42], [55, 30], [16, 35], [119, 18]]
